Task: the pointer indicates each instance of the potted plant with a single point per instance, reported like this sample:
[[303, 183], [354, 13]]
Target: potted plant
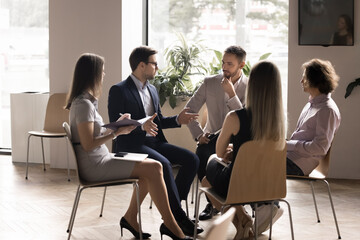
[[183, 63]]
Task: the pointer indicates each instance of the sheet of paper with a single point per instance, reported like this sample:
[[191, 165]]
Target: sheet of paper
[[125, 122], [138, 157]]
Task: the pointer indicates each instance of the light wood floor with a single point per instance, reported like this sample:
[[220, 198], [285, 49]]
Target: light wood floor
[[40, 207]]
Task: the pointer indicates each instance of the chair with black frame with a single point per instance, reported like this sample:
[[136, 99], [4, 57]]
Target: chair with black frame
[[319, 174], [55, 116], [84, 184], [258, 177]]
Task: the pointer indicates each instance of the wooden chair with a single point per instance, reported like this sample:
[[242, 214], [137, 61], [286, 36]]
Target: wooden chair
[[258, 176], [55, 116], [220, 225], [319, 174], [84, 184]]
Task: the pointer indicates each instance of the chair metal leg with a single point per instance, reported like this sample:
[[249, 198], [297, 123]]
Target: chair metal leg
[[187, 208], [333, 209], [313, 194], [192, 191], [103, 201], [290, 217], [197, 205], [196, 191], [43, 155], [73, 209], [256, 221], [73, 213], [67, 158], [136, 186], [271, 219], [27, 157]]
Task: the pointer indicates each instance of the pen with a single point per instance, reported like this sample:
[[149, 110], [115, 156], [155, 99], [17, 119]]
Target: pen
[[120, 114]]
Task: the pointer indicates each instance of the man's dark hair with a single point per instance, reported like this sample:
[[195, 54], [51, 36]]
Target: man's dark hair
[[238, 51], [140, 54]]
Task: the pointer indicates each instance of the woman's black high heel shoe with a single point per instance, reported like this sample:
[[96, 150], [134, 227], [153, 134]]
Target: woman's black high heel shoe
[[165, 231], [126, 225]]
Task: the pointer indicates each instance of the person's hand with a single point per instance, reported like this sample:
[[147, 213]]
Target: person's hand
[[204, 138], [124, 130], [123, 116], [185, 117], [228, 156], [228, 87], [150, 127]]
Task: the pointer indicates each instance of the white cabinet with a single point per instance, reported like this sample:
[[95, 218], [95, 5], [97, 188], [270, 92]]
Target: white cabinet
[[28, 113]]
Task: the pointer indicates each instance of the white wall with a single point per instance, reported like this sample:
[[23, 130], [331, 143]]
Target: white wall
[[345, 160], [76, 27]]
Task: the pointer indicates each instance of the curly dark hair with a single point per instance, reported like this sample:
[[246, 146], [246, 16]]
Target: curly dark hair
[[321, 74]]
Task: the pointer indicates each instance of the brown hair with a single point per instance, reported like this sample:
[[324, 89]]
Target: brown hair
[[140, 54], [321, 75], [238, 51], [264, 101], [87, 76]]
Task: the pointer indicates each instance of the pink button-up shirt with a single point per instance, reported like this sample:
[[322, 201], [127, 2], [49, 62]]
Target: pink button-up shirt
[[317, 124]]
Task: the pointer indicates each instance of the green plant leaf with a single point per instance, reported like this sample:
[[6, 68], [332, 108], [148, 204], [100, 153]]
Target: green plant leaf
[[264, 56], [351, 86], [172, 101]]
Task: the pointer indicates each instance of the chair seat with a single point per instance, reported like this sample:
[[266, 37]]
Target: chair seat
[[211, 191], [47, 134], [314, 175], [109, 183]]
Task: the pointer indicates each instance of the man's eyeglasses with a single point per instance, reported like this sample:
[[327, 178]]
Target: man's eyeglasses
[[153, 63]]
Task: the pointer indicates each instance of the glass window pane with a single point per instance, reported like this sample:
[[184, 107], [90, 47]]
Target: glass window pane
[[24, 50], [259, 26]]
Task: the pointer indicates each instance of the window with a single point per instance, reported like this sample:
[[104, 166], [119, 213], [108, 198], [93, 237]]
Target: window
[[259, 26], [24, 47]]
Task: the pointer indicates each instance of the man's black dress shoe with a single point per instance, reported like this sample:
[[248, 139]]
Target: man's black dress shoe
[[208, 212], [187, 226]]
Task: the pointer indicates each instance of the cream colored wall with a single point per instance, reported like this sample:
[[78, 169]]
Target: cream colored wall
[[345, 160], [82, 26]]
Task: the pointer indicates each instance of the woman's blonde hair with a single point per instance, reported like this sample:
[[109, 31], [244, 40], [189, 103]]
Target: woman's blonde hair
[[87, 76], [264, 101]]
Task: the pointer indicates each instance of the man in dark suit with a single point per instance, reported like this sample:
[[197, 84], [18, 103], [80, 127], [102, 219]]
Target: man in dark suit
[[137, 96]]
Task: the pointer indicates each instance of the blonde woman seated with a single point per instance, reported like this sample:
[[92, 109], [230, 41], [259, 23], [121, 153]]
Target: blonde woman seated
[[94, 159], [262, 119]]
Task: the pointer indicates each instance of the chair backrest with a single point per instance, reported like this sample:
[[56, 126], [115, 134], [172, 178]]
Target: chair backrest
[[324, 164], [219, 227], [55, 113], [259, 172], [67, 130]]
